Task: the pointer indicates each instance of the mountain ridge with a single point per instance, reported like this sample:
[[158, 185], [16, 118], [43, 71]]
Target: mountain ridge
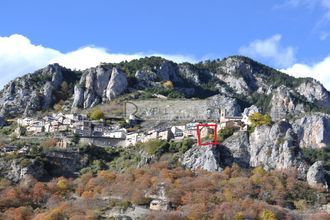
[[235, 76]]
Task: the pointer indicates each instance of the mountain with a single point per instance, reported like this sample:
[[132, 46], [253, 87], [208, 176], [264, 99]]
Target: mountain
[[247, 81], [277, 167]]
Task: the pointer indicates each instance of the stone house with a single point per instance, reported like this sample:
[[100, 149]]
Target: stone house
[[63, 143], [226, 120], [63, 128], [132, 139], [159, 205], [165, 135], [24, 121], [178, 132], [117, 134], [35, 129]]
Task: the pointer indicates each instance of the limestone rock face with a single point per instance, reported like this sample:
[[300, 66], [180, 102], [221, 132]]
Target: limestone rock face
[[48, 97], [78, 97], [313, 130], [190, 73], [316, 175], [202, 157], [97, 85], [276, 147], [15, 172], [145, 78], [284, 104], [226, 103], [2, 121], [238, 75], [34, 104], [117, 84], [238, 145], [32, 92], [314, 92]]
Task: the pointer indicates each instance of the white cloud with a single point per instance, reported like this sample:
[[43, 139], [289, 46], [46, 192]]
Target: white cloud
[[19, 56], [271, 51], [319, 71]]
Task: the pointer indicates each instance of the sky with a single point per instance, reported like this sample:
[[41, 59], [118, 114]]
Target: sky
[[290, 35]]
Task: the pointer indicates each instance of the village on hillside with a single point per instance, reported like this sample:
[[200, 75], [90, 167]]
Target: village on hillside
[[101, 133]]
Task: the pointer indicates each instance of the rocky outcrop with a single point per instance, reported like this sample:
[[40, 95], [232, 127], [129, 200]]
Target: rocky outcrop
[[276, 147], [2, 121], [238, 145], [145, 79], [202, 157], [98, 85], [117, 84], [314, 92], [32, 92], [313, 130], [284, 104], [238, 75], [225, 103], [16, 170], [316, 175]]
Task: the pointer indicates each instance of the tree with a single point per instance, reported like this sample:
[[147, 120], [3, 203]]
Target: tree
[[75, 139], [97, 114], [168, 84], [258, 119]]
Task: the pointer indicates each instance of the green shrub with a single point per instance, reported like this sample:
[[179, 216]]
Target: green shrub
[[155, 146], [97, 114], [257, 119], [224, 133]]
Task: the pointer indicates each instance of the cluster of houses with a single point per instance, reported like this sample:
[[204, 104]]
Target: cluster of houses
[[68, 123], [80, 125]]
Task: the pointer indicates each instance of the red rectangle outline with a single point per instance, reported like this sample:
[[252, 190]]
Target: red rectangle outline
[[199, 141]]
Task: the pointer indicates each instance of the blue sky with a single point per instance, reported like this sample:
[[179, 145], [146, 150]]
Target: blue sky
[[292, 35]]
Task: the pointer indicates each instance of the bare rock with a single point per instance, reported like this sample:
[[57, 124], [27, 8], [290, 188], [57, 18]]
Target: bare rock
[[313, 130], [202, 157], [284, 104], [238, 145], [314, 92], [276, 147], [117, 84], [316, 175]]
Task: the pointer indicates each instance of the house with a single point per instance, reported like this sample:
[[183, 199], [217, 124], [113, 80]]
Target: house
[[48, 118], [24, 150], [53, 129], [178, 131], [152, 134], [159, 205], [160, 201], [63, 143], [206, 131], [131, 139], [165, 135], [68, 121], [191, 130], [224, 118], [47, 127], [118, 134], [63, 128], [55, 123], [36, 129], [24, 122]]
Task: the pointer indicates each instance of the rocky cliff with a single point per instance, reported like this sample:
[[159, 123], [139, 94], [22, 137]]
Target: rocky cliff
[[37, 91], [236, 77]]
